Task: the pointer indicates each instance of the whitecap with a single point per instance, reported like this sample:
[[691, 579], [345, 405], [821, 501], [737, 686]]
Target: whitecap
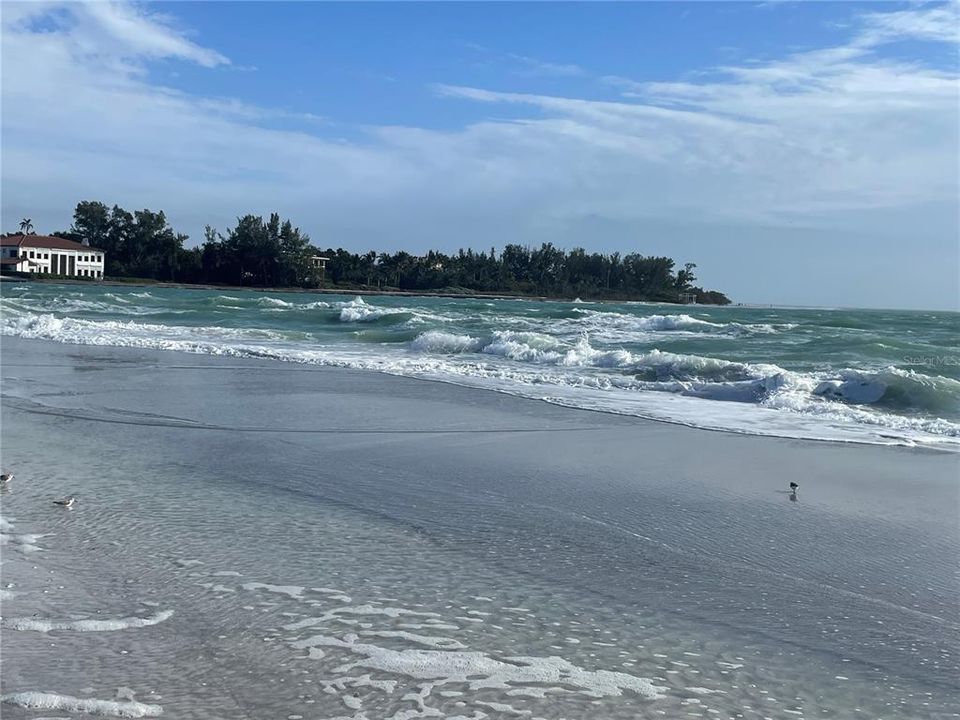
[[358, 311], [274, 302], [436, 341]]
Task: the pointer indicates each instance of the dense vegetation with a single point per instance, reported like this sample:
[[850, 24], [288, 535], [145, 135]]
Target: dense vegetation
[[274, 253]]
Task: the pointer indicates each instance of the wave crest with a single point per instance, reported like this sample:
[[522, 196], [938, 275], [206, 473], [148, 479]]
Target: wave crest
[[436, 341]]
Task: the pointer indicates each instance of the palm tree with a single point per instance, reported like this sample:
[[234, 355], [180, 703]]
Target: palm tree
[[26, 226]]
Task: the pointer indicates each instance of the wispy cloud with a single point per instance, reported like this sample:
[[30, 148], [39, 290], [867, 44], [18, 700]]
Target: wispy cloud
[[120, 30], [533, 66], [529, 66], [144, 34], [939, 23]]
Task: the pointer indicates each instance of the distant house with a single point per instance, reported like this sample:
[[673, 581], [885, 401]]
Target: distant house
[[48, 255], [688, 298]]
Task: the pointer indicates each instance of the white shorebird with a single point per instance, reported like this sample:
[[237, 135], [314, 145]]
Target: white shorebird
[[65, 502], [5, 478]]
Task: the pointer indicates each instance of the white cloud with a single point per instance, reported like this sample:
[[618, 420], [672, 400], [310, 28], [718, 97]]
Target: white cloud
[[144, 34], [837, 141], [939, 23]]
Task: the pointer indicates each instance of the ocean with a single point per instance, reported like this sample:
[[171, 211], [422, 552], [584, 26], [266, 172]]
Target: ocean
[[874, 376]]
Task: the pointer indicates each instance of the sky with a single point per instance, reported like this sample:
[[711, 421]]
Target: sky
[[799, 153]]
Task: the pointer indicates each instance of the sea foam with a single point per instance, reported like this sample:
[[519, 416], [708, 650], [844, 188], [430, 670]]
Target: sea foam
[[109, 625], [480, 671], [33, 700]]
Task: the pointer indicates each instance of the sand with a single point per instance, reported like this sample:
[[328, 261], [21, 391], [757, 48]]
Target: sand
[[612, 544]]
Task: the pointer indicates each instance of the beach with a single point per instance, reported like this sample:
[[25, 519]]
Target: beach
[[266, 539]]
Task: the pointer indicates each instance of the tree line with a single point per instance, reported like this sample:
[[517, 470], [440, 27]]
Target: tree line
[[272, 252]]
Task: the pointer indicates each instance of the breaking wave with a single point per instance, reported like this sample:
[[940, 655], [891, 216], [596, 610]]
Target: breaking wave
[[358, 311], [657, 365]]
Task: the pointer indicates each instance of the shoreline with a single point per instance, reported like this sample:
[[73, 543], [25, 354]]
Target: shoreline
[[277, 365], [945, 447]]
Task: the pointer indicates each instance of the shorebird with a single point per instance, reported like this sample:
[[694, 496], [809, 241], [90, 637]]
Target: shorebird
[[65, 502], [5, 478], [794, 486]]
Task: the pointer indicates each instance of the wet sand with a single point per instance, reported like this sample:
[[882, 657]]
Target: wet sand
[[663, 553]]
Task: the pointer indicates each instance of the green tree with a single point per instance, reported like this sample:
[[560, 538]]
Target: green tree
[[91, 223], [273, 252]]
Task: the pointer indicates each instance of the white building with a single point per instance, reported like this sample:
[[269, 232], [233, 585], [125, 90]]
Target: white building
[[50, 256]]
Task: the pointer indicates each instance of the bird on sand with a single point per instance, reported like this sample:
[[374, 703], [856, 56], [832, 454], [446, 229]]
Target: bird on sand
[[5, 478], [65, 502]]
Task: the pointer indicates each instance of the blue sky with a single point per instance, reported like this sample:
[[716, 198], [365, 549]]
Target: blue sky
[[801, 153]]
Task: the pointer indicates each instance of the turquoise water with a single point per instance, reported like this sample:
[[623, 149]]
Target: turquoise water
[[881, 376]]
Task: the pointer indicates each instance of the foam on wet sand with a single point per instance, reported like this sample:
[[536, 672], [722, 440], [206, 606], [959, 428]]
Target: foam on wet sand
[[89, 625], [33, 700], [478, 670]]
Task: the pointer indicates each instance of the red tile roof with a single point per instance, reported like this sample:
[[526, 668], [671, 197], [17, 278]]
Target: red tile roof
[[44, 241]]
